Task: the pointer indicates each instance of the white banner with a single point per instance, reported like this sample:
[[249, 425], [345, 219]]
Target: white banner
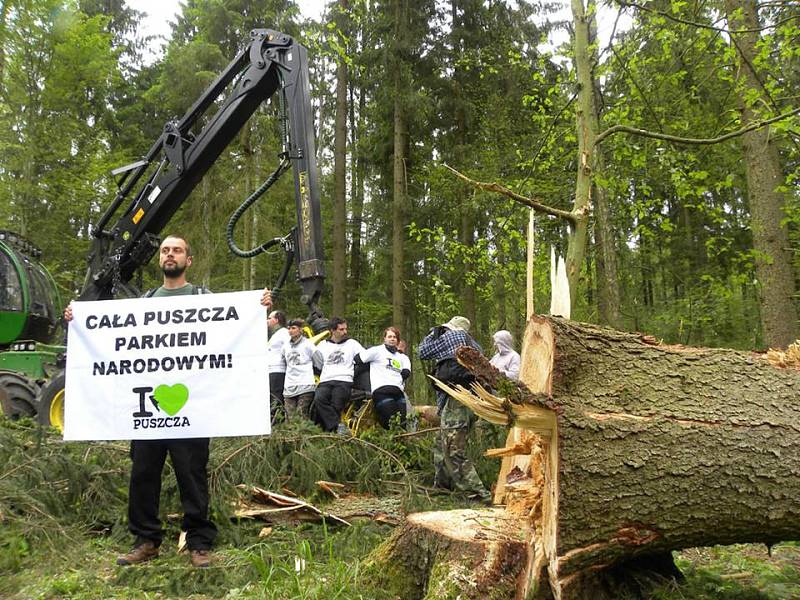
[[161, 368]]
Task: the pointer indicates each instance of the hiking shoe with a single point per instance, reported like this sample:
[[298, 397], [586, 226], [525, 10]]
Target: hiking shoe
[[141, 553], [200, 558]]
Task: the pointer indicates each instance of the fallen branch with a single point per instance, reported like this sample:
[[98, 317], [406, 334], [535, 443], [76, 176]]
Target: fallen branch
[[529, 202], [694, 141]]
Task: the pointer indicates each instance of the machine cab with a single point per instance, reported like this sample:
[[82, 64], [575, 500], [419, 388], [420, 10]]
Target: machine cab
[[29, 300]]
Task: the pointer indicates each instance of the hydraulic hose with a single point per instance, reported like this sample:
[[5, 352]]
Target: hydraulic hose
[[237, 214]]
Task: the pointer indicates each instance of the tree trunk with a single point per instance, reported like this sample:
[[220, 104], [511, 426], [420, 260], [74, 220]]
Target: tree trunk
[[358, 172], [764, 177], [586, 134], [400, 174], [452, 554], [467, 233], [608, 294], [339, 287], [640, 449]]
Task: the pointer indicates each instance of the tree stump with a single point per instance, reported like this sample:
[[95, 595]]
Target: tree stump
[[467, 554], [640, 449]]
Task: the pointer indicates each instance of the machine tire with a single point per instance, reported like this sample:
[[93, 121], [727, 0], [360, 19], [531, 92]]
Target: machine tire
[[51, 402], [19, 395]]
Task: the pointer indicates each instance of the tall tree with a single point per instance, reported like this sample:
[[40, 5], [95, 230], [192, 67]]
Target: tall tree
[[339, 266], [765, 179], [401, 82]]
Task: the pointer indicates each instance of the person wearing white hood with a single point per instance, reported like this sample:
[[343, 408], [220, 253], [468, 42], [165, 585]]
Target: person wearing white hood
[[507, 359]]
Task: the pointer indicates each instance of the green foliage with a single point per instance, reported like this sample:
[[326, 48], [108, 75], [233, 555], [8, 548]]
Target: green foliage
[[62, 508], [738, 572]]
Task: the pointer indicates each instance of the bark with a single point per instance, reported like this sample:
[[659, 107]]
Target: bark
[[500, 290], [339, 283], [642, 449], [400, 176], [586, 134], [358, 177], [764, 176], [467, 234], [466, 554], [608, 294]]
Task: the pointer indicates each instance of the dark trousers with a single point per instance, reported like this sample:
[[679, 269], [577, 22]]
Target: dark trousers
[[189, 459], [389, 402], [276, 381], [330, 400]]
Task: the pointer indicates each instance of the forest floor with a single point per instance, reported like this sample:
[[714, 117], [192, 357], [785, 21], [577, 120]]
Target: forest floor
[[62, 523]]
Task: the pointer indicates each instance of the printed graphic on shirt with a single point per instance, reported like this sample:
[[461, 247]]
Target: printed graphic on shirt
[[335, 358], [294, 358], [393, 364]]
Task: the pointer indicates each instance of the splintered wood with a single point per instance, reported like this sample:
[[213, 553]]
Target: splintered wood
[[270, 506], [273, 507], [790, 359]]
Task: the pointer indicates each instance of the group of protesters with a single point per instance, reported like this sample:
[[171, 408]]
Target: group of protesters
[[294, 360], [338, 360]]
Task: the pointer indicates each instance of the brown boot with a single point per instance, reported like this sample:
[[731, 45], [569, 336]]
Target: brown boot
[[200, 558], [141, 553]]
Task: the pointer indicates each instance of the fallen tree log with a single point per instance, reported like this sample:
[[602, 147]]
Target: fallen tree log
[[640, 449]]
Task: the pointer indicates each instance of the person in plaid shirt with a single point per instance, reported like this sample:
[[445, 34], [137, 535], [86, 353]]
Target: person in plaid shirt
[[453, 470]]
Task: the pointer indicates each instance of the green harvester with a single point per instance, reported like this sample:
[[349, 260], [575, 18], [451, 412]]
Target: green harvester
[[30, 309]]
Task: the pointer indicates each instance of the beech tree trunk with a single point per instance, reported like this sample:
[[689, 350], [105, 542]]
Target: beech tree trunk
[[635, 449]]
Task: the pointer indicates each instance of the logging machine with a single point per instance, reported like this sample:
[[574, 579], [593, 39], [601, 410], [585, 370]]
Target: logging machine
[[150, 191]]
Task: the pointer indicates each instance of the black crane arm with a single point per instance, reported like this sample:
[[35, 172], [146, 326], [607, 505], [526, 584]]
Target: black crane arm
[[270, 63]]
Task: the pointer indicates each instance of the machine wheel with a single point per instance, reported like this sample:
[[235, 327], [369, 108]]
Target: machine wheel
[[19, 397], [51, 402]]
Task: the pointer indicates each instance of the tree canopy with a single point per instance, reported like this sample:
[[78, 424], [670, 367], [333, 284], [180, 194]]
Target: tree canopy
[[667, 232]]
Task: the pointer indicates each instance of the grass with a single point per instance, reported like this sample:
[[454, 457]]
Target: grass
[[62, 525]]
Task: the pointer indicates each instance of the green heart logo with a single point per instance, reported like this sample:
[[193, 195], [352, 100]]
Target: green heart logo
[[171, 398]]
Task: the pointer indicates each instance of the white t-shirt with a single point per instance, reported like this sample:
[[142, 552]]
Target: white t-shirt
[[385, 367], [299, 367], [337, 360], [275, 360]]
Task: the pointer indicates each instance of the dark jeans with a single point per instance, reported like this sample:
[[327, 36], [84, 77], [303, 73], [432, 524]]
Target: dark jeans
[[388, 403], [276, 381], [330, 399], [189, 459]]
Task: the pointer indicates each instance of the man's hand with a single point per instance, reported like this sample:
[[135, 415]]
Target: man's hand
[[266, 298], [68, 313]]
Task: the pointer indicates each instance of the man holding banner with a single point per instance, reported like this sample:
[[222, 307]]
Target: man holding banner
[[160, 373]]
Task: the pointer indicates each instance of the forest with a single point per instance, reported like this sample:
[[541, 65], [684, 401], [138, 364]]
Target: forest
[[455, 139], [677, 213]]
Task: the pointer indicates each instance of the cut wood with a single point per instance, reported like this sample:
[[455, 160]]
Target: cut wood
[[269, 506], [469, 554], [642, 449], [384, 509]]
